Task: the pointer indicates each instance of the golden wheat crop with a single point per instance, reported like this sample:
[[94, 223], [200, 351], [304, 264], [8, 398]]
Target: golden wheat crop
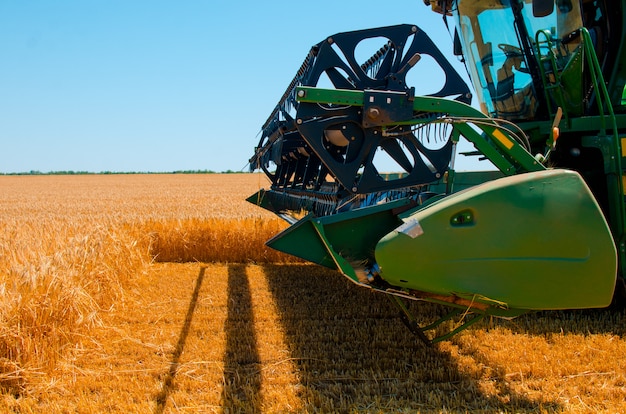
[[95, 317], [71, 245]]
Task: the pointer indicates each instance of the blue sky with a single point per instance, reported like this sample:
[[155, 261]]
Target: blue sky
[[158, 85]]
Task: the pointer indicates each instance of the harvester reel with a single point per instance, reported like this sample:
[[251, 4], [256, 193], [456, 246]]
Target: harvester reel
[[350, 155], [387, 68], [348, 149], [307, 142]]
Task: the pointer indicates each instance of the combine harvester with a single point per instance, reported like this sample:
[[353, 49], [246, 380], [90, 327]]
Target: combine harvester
[[543, 232]]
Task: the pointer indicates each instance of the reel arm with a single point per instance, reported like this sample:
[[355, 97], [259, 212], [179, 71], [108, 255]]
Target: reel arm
[[496, 141]]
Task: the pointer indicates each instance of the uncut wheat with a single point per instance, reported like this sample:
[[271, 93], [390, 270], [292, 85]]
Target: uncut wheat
[[71, 245]]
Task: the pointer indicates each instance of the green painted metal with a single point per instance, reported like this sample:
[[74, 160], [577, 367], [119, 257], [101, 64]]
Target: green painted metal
[[531, 241], [302, 240], [497, 243], [331, 96], [538, 130], [617, 73], [411, 322], [464, 180], [331, 241], [259, 200], [497, 143], [562, 81], [343, 241], [614, 152]]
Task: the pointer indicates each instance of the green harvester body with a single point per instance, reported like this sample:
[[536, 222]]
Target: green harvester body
[[544, 229]]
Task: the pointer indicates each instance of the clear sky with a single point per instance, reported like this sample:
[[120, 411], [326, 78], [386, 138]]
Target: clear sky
[[155, 85]]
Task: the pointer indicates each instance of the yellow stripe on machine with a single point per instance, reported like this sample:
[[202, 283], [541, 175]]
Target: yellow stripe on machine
[[497, 134]]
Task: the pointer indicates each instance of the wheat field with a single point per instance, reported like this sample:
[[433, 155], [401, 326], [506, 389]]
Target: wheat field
[[155, 293]]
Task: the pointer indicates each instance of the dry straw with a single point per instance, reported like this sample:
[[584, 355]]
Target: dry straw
[[76, 251], [55, 276], [215, 240], [71, 246]]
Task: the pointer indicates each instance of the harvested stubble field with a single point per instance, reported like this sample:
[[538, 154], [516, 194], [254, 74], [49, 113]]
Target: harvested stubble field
[[155, 293]]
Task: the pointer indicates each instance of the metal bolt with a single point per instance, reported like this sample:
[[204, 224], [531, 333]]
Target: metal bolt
[[301, 93], [299, 121], [373, 113]]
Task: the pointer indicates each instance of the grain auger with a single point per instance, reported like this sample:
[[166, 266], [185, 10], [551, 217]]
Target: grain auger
[[372, 163]]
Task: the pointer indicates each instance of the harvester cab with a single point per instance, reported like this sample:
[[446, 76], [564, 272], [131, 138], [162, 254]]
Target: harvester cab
[[543, 230]]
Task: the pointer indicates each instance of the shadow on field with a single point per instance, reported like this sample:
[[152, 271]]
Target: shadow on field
[[168, 383], [353, 352], [242, 378]]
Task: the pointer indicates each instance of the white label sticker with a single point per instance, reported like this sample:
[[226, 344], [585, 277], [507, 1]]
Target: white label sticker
[[411, 228]]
